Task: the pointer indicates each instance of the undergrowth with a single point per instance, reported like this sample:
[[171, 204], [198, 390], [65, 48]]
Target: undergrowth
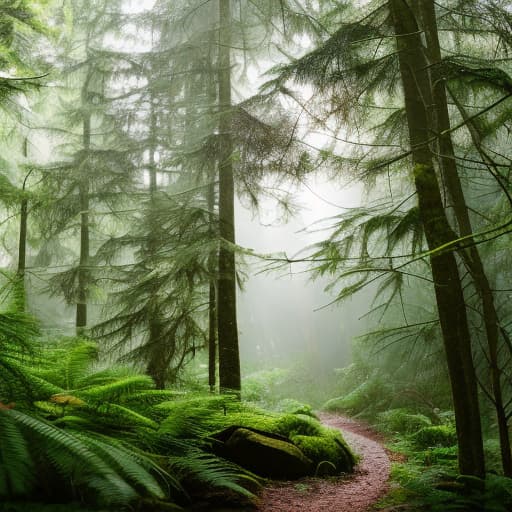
[[420, 428]]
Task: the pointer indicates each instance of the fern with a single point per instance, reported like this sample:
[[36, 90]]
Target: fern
[[213, 472], [16, 465]]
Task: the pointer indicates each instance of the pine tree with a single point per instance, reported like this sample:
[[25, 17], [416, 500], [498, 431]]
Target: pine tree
[[95, 168]]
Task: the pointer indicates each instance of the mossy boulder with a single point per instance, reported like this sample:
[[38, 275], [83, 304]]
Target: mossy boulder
[[266, 455], [329, 451], [220, 417]]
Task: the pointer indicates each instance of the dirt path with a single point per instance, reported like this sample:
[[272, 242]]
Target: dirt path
[[355, 493]]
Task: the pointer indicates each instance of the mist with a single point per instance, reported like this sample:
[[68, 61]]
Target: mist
[[255, 255], [317, 329]]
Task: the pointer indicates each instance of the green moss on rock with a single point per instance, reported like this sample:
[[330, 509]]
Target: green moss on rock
[[220, 417], [328, 451], [267, 456], [290, 425]]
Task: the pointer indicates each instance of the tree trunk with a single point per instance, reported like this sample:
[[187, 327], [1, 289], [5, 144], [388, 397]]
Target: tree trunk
[[22, 245], [471, 256], [229, 358], [83, 270], [213, 257], [156, 367], [212, 292], [445, 273], [22, 248]]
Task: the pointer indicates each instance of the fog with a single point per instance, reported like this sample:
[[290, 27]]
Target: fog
[[284, 316]]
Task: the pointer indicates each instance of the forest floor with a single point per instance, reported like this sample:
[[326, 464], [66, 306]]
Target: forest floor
[[351, 493]]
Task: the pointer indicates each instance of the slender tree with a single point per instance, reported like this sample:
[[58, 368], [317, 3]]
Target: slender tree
[[229, 357], [448, 289]]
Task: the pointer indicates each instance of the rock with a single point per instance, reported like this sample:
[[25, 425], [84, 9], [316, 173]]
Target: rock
[[267, 456]]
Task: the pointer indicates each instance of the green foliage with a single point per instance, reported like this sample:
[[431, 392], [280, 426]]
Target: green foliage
[[198, 467], [439, 489], [401, 421], [444, 455], [263, 386], [90, 433], [271, 389], [291, 406], [492, 456], [112, 480], [367, 398], [435, 435], [209, 415]]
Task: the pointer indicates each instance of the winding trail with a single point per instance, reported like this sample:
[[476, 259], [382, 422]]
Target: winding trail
[[351, 493]]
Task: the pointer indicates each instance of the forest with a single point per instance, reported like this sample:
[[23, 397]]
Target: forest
[[253, 255]]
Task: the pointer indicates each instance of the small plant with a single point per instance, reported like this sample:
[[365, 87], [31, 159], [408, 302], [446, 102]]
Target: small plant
[[302, 488]]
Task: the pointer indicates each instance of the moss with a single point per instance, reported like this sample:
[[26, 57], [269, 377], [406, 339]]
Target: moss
[[291, 406], [329, 452], [437, 435], [298, 424], [267, 456], [212, 415]]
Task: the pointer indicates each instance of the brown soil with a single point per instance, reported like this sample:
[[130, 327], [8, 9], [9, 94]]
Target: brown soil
[[351, 493]]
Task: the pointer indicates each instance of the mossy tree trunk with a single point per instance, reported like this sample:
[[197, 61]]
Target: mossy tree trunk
[[229, 358], [445, 272]]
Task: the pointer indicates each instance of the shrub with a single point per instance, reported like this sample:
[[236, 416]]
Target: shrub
[[436, 435], [446, 456], [402, 421], [369, 398]]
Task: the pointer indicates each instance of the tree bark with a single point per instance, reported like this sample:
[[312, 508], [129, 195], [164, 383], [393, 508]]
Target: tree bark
[[156, 367], [22, 244], [83, 270], [471, 256], [229, 358], [22, 247], [445, 273], [213, 258], [212, 293]]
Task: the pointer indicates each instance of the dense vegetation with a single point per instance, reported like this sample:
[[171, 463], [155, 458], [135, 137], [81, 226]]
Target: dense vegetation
[[132, 131]]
